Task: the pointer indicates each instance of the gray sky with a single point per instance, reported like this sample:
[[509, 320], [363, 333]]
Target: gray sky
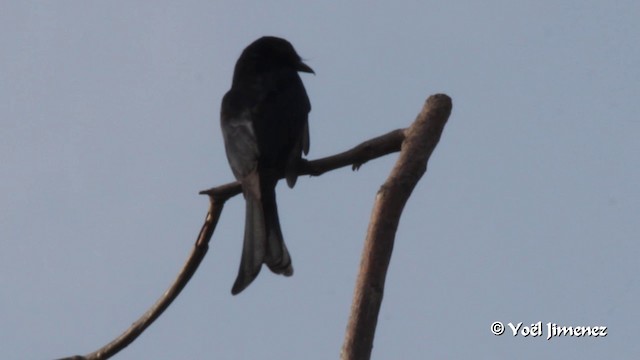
[[529, 211]]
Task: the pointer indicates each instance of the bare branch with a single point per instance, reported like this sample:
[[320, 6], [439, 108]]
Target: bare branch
[[195, 258], [368, 150], [421, 138], [356, 157]]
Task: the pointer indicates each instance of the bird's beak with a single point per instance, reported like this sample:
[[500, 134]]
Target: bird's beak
[[304, 68]]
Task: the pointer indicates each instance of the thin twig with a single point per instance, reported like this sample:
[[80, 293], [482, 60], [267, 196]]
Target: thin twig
[[421, 138], [195, 258], [356, 157]]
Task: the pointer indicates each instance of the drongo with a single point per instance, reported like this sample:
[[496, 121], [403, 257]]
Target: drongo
[[264, 120]]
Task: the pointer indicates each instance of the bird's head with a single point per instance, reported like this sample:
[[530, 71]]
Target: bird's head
[[270, 53]]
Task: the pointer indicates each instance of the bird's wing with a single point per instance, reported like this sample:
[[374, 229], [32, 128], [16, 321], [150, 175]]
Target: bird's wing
[[298, 108], [305, 139], [239, 135]]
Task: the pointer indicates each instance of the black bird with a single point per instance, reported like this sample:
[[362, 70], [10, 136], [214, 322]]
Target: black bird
[[264, 120]]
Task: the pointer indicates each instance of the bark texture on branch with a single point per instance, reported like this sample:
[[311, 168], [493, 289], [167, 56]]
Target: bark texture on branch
[[421, 138]]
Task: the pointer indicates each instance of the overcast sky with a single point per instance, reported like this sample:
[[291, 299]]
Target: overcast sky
[[529, 210]]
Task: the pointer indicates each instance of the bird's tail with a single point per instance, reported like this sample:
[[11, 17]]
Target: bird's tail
[[263, 242], [276, 255]]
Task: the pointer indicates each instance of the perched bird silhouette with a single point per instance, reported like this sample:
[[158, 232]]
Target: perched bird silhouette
[[264, 120]]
